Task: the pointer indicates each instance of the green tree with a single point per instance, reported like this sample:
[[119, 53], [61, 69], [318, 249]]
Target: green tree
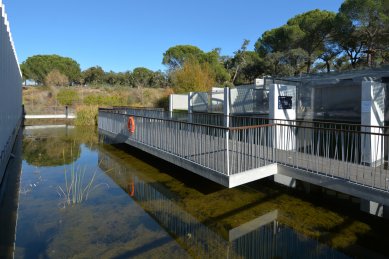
[[142, 77], [307, 32], [347, 37], [297, 58], [93, 75], [329, 54], [366, 20], [315, 26], [39, 66], [279, 40], [111, 78], [193, 77], [276, 64], [252, 67], [159, 79], [239, 59], [176, 56], [215, 62]]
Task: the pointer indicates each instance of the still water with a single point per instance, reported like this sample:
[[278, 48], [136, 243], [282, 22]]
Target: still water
[[80, 198]]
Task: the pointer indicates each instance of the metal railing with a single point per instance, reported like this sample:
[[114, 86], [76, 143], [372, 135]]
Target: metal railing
[[355, 153], [205, 145], [351, 152], [49, 110]]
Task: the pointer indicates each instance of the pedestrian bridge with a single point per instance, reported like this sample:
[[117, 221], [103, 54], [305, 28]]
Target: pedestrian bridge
[[348, 158]]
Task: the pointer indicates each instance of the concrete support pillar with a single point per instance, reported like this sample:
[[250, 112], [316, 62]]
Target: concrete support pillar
[[285, 180], [282, 108], [372, 114], [374, 208]]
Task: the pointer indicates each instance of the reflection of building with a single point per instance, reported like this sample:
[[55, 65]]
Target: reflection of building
[[263, 237], [11, 92], [9, 193]]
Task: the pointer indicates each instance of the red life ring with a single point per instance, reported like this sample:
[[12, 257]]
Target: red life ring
[[131, 124], [131, 189]]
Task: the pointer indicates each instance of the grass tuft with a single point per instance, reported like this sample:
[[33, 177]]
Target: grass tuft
[[86, 116]]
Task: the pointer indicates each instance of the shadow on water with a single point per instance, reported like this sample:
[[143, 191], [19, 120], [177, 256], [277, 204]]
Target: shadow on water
[[262, 237], [144, 248], [342, 224], [155, 209], [9, 200], [189, 179]]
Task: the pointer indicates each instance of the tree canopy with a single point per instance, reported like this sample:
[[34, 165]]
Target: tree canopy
[[358, 35], [314, 41], [207, 64], [303, 38], [39, 66]]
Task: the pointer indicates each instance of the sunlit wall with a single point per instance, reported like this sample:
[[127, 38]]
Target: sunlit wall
[[10, 90]]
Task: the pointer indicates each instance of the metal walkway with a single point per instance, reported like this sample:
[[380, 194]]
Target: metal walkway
[[339, 157]]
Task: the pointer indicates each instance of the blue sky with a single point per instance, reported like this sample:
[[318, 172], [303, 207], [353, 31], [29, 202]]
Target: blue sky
[[121, 35]]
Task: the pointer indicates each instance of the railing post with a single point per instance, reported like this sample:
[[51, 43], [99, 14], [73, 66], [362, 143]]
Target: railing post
[[171, 106], [226, 112], [190, 106]]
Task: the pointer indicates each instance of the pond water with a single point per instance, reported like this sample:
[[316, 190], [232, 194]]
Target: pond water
[[80, 198]]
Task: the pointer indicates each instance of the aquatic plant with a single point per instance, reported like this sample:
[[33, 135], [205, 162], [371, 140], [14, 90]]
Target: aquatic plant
[[77, 185], [76, 189]]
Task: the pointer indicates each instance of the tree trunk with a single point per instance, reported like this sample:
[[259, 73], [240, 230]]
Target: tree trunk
[[236, 74], [309, 66], [328, 65]]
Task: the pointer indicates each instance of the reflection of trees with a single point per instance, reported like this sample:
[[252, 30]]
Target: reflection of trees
[[57, 146], [50, 151], [87, 136]]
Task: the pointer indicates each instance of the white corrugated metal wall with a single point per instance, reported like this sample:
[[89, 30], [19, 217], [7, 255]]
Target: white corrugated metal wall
[[10, 90]]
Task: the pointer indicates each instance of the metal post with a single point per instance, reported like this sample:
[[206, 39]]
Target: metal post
[[190, 106], [226, 112], [171, 106], [66, 111]]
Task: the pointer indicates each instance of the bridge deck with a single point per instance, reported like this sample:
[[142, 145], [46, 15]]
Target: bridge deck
[[234, 156]]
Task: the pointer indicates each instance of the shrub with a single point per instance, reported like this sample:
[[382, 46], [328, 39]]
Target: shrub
[[106, 100], [86, 116], [56, 78], [193, 77], [67, 96]]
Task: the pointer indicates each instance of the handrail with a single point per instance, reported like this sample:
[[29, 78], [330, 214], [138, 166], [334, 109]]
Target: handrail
[[333, 129], [265, 118], [162, 119], [263, 125]]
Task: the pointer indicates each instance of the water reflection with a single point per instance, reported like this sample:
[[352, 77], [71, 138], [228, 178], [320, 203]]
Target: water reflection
[[9, 200], [54, 147], [106, 225], [155, 210], [263, 237]]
